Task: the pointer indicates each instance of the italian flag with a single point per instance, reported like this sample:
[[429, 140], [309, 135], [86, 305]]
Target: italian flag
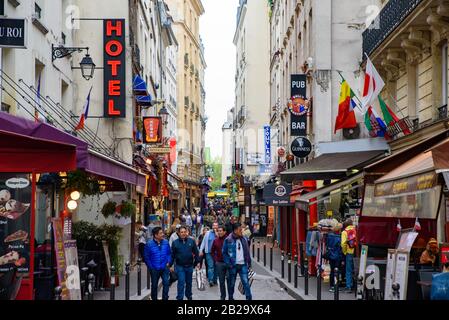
[[390, 118], [346, 115]]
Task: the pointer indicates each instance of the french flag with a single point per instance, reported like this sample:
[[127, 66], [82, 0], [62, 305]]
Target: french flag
[[85, 113]]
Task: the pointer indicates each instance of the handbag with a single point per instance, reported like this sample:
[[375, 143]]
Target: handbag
[[251, 275], [200, 280], [173, 277]]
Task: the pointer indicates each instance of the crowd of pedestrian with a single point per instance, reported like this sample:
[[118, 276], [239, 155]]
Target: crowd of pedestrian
[[215, 240]]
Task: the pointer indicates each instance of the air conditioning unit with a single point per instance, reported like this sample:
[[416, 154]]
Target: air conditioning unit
[[353, 133]]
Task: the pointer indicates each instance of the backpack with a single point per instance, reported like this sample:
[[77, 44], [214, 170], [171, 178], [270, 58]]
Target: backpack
[[351, 238], [333, 248]]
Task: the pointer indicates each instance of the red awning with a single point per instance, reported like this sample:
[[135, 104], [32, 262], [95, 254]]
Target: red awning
[[20, 153]]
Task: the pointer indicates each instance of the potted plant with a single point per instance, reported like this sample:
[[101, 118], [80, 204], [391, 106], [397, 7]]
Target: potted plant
[[127, 209], [81, 181], [108, 209]]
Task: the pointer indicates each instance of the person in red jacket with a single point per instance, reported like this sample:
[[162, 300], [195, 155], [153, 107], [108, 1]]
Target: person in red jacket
[[217, 255]]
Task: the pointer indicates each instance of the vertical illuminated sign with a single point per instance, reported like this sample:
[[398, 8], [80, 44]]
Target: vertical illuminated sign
[[114, 68], [267, 138]]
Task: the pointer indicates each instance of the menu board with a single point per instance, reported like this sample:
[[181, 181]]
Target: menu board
[[362, 270], [73, 281], [389, 277], [60, 256], [401, 274], [15, 220], [270, 226], [406, 240]]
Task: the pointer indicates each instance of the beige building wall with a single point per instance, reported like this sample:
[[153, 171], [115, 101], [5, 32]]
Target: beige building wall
[[186, 16], [252, 99]]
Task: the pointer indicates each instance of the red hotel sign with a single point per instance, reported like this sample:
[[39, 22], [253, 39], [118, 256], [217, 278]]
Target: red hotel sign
[[114, 68]]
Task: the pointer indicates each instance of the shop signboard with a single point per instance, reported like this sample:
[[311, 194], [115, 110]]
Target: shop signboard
[[401, 275], [13, 33], [444, 253], [298, 105], [60, 256], [362, 272], [277, 195], [114, 68], [301, 147], [15, 221], [267, 140], [73, 281], [410, 185], [152, 130], [389, 277]]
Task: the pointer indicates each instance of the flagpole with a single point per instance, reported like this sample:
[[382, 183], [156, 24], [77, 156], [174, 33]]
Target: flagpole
[[391, 96], [355, 96]]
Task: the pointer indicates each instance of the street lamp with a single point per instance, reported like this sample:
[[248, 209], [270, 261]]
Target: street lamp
[[163, 113], [87, 66]]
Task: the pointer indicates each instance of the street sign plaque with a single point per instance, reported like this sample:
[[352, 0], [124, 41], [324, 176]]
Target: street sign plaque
[[162, 150]]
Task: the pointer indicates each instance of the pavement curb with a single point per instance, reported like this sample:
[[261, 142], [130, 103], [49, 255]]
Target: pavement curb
[[297, 293], [146, 294]]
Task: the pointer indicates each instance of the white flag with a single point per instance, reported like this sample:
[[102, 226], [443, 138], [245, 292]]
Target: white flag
[[373, 85]]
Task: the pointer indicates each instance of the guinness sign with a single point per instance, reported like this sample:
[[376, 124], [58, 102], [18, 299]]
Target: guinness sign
[[301, 147]]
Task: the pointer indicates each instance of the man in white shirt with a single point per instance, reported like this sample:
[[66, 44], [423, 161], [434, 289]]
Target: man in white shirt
[[175, 235]]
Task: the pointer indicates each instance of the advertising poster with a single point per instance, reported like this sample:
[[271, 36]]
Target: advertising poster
[[406, 240], [270, 226], [15, 215], [389, 277], [60, 256], [73, 281], [362, 271]]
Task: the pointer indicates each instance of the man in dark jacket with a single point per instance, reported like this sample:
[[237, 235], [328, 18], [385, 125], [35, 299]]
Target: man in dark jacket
[[157, 256], [237, 259], [228, 225], [217, 255], [185, 255]]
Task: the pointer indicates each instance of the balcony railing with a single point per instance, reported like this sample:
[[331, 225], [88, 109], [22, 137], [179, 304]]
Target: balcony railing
[[391, 16], [403, 125]]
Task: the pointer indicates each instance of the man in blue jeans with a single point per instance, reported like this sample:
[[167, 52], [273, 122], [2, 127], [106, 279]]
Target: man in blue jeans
[[237, 259], [185, 255], [206, 247], [157, 257]]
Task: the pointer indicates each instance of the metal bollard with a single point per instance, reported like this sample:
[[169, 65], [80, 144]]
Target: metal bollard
[[127, 281], [296, 271], [336, 285], [264, 254], [254, 249], [258, 251], [301, 258], [148, 279], [112, 283], [271, 258], [139, 277], [91, 286], [318, 284], [282, 265], [289, 262], [58, 293], [306, 279]]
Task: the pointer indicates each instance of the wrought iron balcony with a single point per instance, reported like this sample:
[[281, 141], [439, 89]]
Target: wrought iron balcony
[[402, 126], [391, 16], [442, 112]]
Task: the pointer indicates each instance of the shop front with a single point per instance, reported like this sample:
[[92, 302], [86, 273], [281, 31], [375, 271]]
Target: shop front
[[23, 160], [277, 196]]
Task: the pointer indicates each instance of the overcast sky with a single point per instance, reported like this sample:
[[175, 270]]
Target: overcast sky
[[217, 28]]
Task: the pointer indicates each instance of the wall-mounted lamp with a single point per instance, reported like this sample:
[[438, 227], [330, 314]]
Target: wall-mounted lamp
[[87, 65]]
